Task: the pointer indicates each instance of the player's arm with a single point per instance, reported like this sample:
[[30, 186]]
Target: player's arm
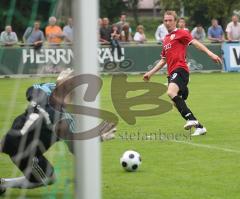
[[203, 48], [156, 68]]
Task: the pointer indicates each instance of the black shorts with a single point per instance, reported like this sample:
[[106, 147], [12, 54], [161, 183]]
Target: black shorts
[[39, 139], [26, 151], [181, 78]]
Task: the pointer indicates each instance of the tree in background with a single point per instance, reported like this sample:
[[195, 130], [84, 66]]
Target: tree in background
[[21, 14], [202, 11], [169, 5], [112, 8], [133, 7], [63, 11]]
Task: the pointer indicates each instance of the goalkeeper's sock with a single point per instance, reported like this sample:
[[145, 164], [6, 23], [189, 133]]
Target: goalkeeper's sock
[[20, 182], [183, 109]]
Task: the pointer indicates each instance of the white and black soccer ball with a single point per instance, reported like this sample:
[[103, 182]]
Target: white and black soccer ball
[[130, 160]]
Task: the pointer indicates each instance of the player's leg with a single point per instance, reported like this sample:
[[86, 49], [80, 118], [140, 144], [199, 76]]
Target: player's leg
[[35, 167], [37, 172], [19, 182], [27, 156], [2, 189], [173, 90], [178, 92], [185, 93]]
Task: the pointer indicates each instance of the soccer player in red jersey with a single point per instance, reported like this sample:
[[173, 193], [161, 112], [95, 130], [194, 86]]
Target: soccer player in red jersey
[[174, 55]]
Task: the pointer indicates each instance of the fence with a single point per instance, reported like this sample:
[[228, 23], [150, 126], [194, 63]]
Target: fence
[[135, 58]]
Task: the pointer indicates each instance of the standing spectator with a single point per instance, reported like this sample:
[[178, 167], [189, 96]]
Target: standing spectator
[[105, 31], [126, 34], [100, 22], [198, 33], [115, 37], [215, 32], [160, 33], [68, 31], [233, 29], [8, 37], [122, 22], [33, 35], [139, 35], [54, 32], [182, 24]]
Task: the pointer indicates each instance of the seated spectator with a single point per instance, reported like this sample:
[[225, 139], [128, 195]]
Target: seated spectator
[[233, 29], [215, 32], [54, 32], [126, 34], [105, 31], [68, 31], [33, 35], [182, 24], [139, 35], [160, 33], [8, 37], [122, 22], [198, 33], [115, 37]]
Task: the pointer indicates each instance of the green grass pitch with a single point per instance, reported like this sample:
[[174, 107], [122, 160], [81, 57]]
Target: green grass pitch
[[201, 167]]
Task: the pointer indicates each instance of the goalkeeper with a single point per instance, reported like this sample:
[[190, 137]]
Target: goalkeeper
[[34, 132]]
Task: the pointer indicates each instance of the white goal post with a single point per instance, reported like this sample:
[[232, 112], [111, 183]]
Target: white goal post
[[87, 152]]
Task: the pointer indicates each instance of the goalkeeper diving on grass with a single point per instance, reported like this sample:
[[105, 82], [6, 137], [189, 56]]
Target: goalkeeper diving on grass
[[33, 132]]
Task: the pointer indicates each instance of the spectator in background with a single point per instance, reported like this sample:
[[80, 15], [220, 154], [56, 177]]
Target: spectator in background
[[126, 34], [54, 32], [105, 31], [68, 31], [233, 29], [99, 27], [115, 37], [33, 35], [215, 32], [139, 35], [122, 22], [182, 24], [100, 22], [198, 33], [160, 33], [8, 37]]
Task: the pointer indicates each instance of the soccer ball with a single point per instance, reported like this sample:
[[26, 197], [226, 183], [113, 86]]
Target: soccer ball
[[130, 160]]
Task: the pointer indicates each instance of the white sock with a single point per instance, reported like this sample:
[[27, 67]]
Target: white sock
[[20, 182]]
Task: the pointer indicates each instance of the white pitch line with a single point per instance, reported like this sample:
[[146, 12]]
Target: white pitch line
[[193, 144], [209, 146]]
